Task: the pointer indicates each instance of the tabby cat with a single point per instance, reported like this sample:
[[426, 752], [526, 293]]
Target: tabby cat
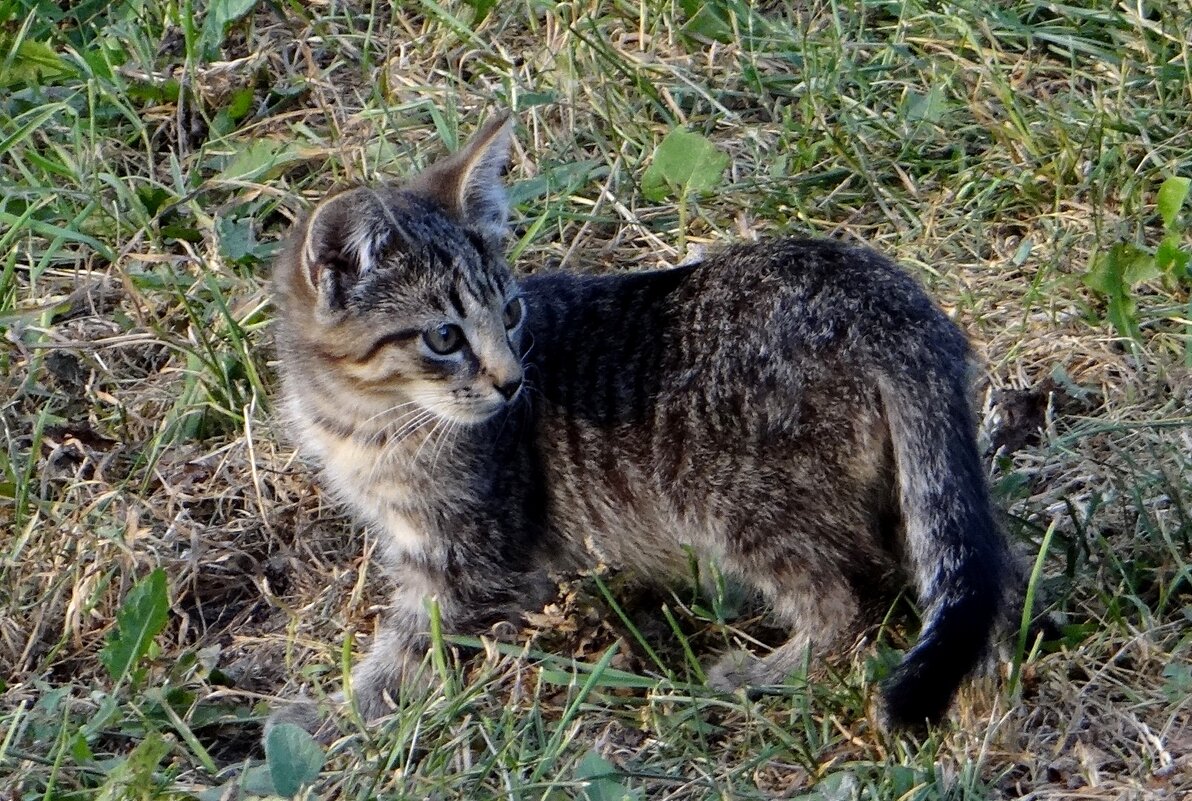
[[796, 411]]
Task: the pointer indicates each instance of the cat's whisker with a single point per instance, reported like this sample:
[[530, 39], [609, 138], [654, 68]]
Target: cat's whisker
[[384, 436], [389, 410], [369, 435], [430, 435], [397, 421], [393, 444], [406, 426], [531, 388], [441, 439], [527, 409], [529, 350], [445, 440], [411, 427], [520, 404]]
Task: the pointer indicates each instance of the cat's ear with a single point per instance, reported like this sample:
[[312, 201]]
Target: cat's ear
[[468, 185], [341, 243]]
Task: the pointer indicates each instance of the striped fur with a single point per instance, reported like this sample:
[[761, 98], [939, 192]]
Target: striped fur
[[795, 410]]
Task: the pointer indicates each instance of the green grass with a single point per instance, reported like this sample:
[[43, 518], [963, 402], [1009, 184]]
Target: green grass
[[152, 156]]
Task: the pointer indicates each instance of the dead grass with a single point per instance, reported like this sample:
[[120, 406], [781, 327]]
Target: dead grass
[[994, 148]]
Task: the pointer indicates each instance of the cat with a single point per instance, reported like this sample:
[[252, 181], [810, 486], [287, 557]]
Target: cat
[[795, 410]]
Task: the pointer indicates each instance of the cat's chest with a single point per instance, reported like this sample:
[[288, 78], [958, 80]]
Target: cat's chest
[[402, 490], [363, 475]]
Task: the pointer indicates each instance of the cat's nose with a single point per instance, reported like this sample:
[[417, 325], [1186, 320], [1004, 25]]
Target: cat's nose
[[509, 388]]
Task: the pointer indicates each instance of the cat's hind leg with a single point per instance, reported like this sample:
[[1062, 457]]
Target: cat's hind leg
[[819, 612]]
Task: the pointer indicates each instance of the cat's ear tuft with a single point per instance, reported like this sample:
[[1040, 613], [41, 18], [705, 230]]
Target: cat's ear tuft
[[468, 184]]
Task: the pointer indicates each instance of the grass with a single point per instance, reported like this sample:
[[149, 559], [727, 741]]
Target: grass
[[152, 155]]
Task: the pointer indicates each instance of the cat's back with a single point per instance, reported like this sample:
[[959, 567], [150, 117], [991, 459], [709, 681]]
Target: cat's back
[[822, 291], [749, 306]]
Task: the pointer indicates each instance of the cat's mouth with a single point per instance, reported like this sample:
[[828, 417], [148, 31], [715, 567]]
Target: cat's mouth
[[472, 411], [466, 405]]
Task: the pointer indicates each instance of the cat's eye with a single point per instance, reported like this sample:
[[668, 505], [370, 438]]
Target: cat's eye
[[513, 314], [445, 339]]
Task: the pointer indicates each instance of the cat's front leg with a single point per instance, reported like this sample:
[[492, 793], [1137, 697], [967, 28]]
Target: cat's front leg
[[469, 602], [394, 660]]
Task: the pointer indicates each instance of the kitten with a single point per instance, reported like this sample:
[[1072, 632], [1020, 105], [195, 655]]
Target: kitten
[[795, 410]]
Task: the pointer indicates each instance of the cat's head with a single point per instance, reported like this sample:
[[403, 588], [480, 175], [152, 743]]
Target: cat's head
[[402, 293]]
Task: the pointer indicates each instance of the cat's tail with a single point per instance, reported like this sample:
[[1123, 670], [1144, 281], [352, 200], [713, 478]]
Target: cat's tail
[[957, 554]]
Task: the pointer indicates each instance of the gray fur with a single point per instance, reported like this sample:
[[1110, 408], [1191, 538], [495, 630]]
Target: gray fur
[[795, 410]]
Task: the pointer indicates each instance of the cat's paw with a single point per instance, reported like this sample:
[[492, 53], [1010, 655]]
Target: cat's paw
[[733, 671], [376, 700]]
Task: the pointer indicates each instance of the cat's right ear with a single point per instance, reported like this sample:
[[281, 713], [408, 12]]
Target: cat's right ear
[[338, 246]]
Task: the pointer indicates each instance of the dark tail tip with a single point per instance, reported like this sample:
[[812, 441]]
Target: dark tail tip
[[912, 700], [951, 645]]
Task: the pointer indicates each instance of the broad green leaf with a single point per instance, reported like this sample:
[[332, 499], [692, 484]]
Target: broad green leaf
[[79, 750], [133, 777], [1123, 315], [1171, 196], [480, 9], [223, 791], [728, 21], [1139, 266], [237, 240], [930, 107], [1112, 274], [241, 103], [261, 159], [221, 14], [684, 163], [1022, 253], [155, 91], [33, 63], [105, 715], [1178, 681], [902, 780], [153, 198], [1171, 258], [294, 758], [840, 786], [708, 20], [255, 781], [1105, 275], [601, 780], [140, 619], [48, 701], [1124, 265]]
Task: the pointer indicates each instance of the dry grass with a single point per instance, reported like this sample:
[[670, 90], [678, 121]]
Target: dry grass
[[149, 169]]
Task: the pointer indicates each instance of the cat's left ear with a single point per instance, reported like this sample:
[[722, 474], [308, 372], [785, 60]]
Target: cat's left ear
[[468, 185]]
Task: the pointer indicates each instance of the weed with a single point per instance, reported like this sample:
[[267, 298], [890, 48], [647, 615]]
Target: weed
[[167, 567]]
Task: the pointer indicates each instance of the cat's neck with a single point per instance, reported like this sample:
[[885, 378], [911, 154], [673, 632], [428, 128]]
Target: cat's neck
[[364, 448]]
